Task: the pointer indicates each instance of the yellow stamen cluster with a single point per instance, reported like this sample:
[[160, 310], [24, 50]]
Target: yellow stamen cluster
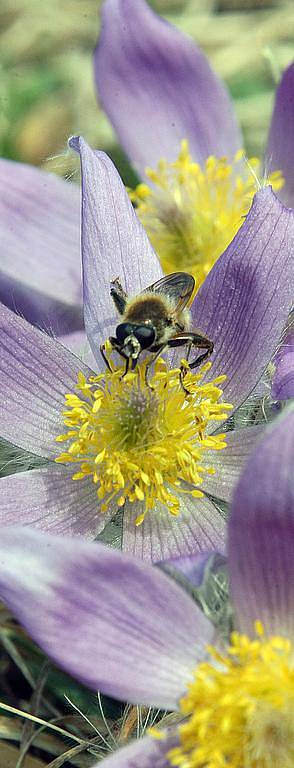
[[191, 214], [240, 707], [143, 443]]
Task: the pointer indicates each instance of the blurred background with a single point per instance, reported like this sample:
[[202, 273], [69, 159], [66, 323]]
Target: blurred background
[[47, 90]]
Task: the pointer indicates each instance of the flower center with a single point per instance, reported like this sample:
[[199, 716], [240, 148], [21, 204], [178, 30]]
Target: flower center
[[191, 214], [144, 444], [240, 707]]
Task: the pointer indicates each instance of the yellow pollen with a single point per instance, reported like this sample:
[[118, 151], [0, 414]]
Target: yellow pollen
[[144, 444], [240, 707], [191, 214]]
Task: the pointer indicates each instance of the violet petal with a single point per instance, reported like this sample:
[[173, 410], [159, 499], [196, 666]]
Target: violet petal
[[113, 622], [78, 343], [283, 378], [40, 264], [280, 148], [158, 88], [193, 567], [142, 753], [114, 244], [35, 374], [48, 499], [261, 533], [198, 528], [244, 302], [229, 462]]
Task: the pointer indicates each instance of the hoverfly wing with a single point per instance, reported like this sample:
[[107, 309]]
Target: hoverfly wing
[[178, 286]]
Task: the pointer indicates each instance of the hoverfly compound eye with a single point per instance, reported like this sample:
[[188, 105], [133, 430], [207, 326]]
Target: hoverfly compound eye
[[145, 335], [124, 330]]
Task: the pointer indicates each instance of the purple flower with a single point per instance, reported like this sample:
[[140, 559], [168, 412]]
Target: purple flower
[[163, 100], [283, 365], [40, 268], [242, 307], [126, 628]]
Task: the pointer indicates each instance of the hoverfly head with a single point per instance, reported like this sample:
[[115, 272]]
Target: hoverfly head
[[133, 338]]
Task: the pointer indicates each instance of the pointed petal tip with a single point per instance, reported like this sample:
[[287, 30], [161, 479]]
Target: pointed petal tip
[[114, 242], [145, 752], [279, 154], [264, 195], [157, 88], [270, 194], [74, 143], [136, 607], [78, 144]]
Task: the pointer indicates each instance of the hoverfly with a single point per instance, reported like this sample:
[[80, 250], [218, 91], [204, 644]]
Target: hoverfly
[[154, 320]]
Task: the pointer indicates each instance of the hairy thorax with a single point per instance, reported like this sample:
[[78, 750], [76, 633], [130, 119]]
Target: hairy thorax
[[158, 311]]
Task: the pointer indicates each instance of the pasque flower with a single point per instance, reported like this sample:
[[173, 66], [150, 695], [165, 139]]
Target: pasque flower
[[126, 628], [40, 265], [175, 120], [149, 451]]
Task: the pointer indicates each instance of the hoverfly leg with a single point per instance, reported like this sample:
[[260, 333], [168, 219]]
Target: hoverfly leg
[[183, 372], [200, 359], [118, 295], [191, 339], [150, 364], [105, 358], [147, 370], [127, 359], [183, 368], [189, 347]]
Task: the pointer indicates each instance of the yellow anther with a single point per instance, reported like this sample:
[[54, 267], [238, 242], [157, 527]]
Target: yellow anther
[[191, 214], [239, 708], [143, 444]]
